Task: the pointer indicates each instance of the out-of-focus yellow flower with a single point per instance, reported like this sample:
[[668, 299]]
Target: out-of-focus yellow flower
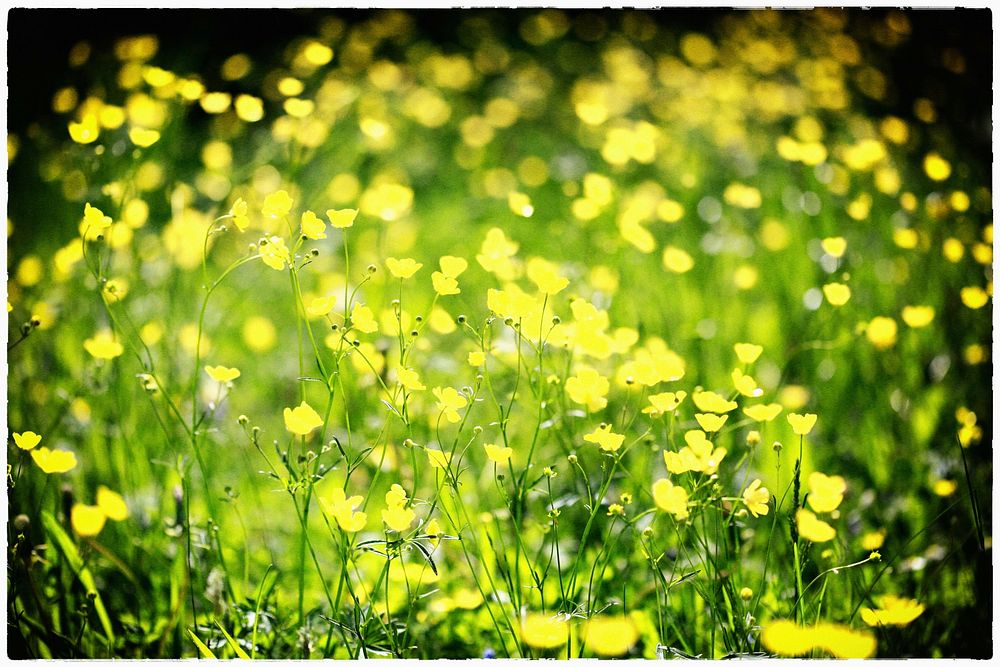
[[87, 520], [788, 639], [143, 137], [589, 388], [745, 384], [837, 294], [671, 499], [495, 254], [302, 420], [709, 401], [86, 131], [542, 631], [545, 276], [936, 167], [813, 529], [249, 108], [438, 458], [259, 333], [53, 460], [610, 637], [834, 246], [276, 205], [498, 454], [676, 260], [409, 379], [802, 424], [320, 306], [343, 218], [444, 285], [825, 493], [944, 487], [363, 319], [476, 358], [449, 401], [27, 440], [974, 297], [756, 498], [762, 412], [112, 504], [892, 610], [918, 316], [222, 374], [520, 204], [747, 353], [103, 345], [881, 332]]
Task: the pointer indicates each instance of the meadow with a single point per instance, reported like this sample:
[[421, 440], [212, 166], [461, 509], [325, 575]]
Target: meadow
[[487, 333]]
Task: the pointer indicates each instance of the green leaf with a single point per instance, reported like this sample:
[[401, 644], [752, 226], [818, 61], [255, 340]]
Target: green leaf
[[68, 549], [240, 653], [203, 650]]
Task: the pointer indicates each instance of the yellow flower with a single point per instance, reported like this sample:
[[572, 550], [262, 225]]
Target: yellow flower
[[881, 332], [825, 493], [670, 498], [589, 388], [95, 219], [944, 487], [343, 218], [918, 316], [444, 285], [452, 266], [498, 454], [112, 504], [745, 384], [495, 253], [698, 455], [520, 204], [545, 276], [222, 374], [812, 528], [873, 539], [239, 213], [542, 631], [312, 227], [747, 353], [396, 515], [709, 401], [53, 460], [86, 131], [603, 436], [274, 252], [974, 297], [87, 520], [476, 358], [711, 423], [676, 260], [276, 205], [303, 420], [610, 637], [402, 268], [341, 508], [409, 379], [756, 498], [837, 293], [433, 528], [936, 167], [143, 137], [449, 401], [762, 412], [834, 246], [664, 402], [27, 440], [103, 345], [892, 610], [363, 319], [788, 639], [320, 306], [438, 458], [802, 424]]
